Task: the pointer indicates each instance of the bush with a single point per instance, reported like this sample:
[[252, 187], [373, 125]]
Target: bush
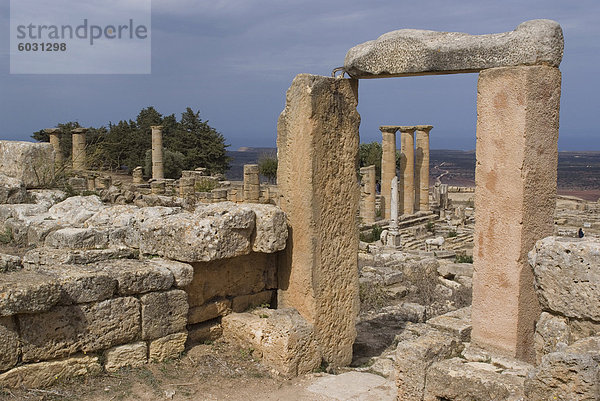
[[372, 236], [452, 234], [267, 167], [173, 163], [463, 259]]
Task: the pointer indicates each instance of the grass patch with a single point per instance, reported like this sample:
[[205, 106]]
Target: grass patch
[[6, 237], [463, 259], [371, 236]]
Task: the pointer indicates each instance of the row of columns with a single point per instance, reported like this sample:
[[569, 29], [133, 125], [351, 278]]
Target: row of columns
[[78, 147], [414, 197]]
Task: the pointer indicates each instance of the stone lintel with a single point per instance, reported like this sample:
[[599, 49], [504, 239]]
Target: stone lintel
[[425, 128], [411, 52], [52, 130], [79, 130]]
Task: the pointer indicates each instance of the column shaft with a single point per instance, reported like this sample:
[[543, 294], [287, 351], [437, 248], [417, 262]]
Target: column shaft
[[78, 149], [367, 210], [407, 170], [388, 169], [251, 183], [422, 168], [158, 172]]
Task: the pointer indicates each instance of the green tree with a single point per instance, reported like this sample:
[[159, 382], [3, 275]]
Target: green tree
[[173, 163], [267, 167], [370, 154]]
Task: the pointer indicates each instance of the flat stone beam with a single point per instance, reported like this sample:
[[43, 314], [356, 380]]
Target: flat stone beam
[[409, 52], [422, 167], [388, 166], [515, 199], [317, 142], [78, 148], [158, 171]]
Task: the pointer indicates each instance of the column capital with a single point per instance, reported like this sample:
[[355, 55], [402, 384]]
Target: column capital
[[407, 128], [52, 130], [79, 130], [425, 128], [156, 127], [389, 128]]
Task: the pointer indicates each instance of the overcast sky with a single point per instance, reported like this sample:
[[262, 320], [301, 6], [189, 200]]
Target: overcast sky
[[233, 60]]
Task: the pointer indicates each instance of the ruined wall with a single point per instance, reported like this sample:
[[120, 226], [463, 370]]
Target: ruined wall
[[112, 286]]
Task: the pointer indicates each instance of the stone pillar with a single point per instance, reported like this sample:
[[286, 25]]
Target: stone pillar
[[317, 141], [515, 199], [251, 183], [407, 168], [79, 156], [158, 172], [138, 175], [422, 167], [158, 187], [367, 211], [91, 182], [54, 135], [388, 166], [186, 186]]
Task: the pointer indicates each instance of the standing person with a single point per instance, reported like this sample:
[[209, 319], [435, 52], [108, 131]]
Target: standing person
[[580, 233]]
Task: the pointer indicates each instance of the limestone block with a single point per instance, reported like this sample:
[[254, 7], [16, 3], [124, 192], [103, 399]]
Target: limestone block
[[567, 276], [420, 52], [80, 283], [12, 190], [271, 228], [454, 323], [452, 270], [206, 331], [51, 256], [65, 330], [32, 163], [359, 386], [45, 374], [167, 347], [420, 346], [126, 355], [113, 216], [579, 329], [283, 339], [10, 348], [216, 231], [460, 380], [137, 276], [230, 277], [163, 313], [208, 311], [76, 209], [183, 273], [551, 333], [27, 292], [317, 141], [571, 374], [515, 201], [77, 238], [38, 229], [245, 302], [9, 263]]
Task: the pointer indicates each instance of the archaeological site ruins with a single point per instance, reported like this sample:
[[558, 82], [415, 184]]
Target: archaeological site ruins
[[449, 293]]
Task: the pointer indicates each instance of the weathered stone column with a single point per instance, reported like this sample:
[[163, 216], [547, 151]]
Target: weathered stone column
[[317, 141], [158, 172], [422, 167], [367, 212], [251, 183], [54, 135], [515, 198], [407, 168], [138, 175], [388, 166], [79, 156]]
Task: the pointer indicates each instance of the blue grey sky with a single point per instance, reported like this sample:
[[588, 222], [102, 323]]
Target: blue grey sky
[[233, 60]]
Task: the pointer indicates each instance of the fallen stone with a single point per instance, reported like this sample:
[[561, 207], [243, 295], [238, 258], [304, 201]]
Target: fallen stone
[[45, 374], [457, 324], [281, 337], [572, 374], [9, 263], [133, 355], [419, 346], [66, 330], [551, 332], [76, 209], [419, 52], [168, 347], [77, 238], [183, 273], [32, 163], [271, 228], [163, 313], [451, 270], [12, 190], [567, 276], [27, 292], [10, 347], [459, 380], [219, 231]]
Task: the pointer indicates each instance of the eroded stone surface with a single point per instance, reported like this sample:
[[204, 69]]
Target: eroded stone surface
[[77, 238], [137, 276], [167, 347], [32, 163], [76, 209], [51, 256], [163, 313], [12, 190], [419, 52], [550, 333], [567, 276], [66, 330], [10, 346], [271, 229], [9, 263], [126, 355], [27, 292]]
